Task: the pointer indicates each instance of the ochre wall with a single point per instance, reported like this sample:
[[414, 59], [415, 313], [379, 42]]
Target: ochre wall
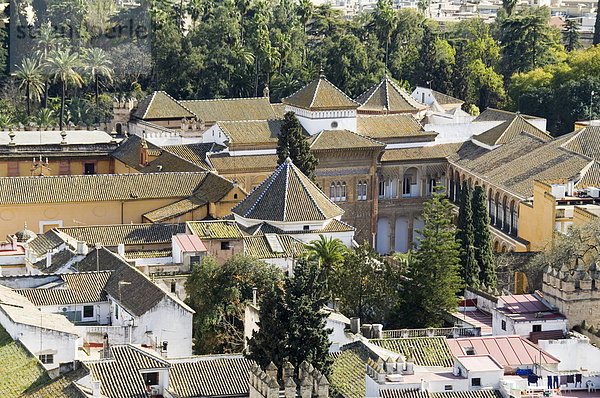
[[536, 223], [76, 166]]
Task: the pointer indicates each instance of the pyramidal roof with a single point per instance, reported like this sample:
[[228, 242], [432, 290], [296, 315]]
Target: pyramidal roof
[[287, 195], [387, 96], [160, 105], [318, 95], [509, 129]]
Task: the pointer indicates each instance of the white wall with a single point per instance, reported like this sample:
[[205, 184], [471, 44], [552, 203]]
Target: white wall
[[101, 311], [337, 336], [317, 121], [526, 327]]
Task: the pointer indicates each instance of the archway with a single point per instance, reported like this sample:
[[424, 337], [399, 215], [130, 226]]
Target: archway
[[401, 235], [410, 183], [383, 236]]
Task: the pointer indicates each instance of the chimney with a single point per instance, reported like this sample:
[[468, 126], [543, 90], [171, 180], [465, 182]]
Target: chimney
[[143, 153], [96, 385], [121, 249], [82, 248], [48, 259], [336, 305], [266, 91], [254, 296], [105, 347], [355, 325]]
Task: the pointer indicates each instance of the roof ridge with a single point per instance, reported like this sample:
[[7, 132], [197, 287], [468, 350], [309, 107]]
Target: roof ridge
[[340, 90], [405, 94], [287, 178], [312, 101], [296, 171], [178, 103], [317, 136], [223, 99], [152, 96], [374, 88], [266, 181]]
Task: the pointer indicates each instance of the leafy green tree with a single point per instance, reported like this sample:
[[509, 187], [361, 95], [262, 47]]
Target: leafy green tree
[[509, 6], [96, 64], [488, 85], [482, 239], [596, 39], [63, 65], [465, 235], [30, 79], [461, 86], [425, 73], [365, 284], [433, 280], [292, 325], [44, 118], [218, 294], [571, 35], [291, 143]]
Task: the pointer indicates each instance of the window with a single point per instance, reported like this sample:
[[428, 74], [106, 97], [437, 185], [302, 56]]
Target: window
[[173, 287], [476, 382], [334, 125], [235, 195], [194, 260], [431, 185], [89, 168], [338, 192], [381, 188], [503, 325], [406, 186], [46, 358], [306, 228], [88, 311], [470, 350], [361, 191], [225, 245], [448, 387], [343, 197], [116, 311], [536, 328], [332, 191], [151, 379]]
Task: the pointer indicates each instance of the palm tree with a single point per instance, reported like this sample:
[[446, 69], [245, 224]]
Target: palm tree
[[29, 76], [62, 65], [385, 20], [44, 118], [46, 41], [328, 251], [509, 6], [96, 63], [305, 11]]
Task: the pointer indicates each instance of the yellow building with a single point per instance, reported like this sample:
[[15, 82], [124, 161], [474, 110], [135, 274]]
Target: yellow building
[[62, 201]]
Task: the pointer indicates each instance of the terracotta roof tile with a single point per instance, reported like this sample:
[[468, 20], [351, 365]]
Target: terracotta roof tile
[[261, 246], [585, 142], [445, 99], [195, 153], [215, 229], [254, 132], [160, 105], [440, 151], [510, 129], [427, 351], [224, 163], [382, 127], [128, 234], [320, 94], [231, 109], [173, 210], [342, 140], [287, 195], [387, 96]]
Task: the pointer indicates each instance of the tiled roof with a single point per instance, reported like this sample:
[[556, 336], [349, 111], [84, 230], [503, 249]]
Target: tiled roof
[[440, 151], [427, 351], [510, 129], [252, 131], [77, 288], [120, 375], [272, 246], [508, 351], [279, 109], [590, 177], [445, 99], [128, 234], [334, 225], [515, 165], [99, 259], [173, 210], [160, 105], [195, 153], [19, 370], [348, 372], [215, 229], [491, 114], [387, 96], [224, 163], [57, 261], [216, 376], [47, 241], [134, 254], [342, 140], [100, 187], [129, 153], [320, 94], [141, 294], [585, 142], [231, 109], [391, 126], [389, 393], [287, 195], [61, 387]]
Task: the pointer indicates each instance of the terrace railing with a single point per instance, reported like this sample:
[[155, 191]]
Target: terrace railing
[[452, 332]]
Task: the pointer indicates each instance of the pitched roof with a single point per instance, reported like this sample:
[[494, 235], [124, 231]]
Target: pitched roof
[[19, 370], [61, 387], [320, 94], [334, 225], [99, 259], [57, 261], [224, 163], [231, 109], [195, 153], [173, 210], [160, 105], [585, 142], [427, 351], [508, 351], [508, 130], [590, 176], [99, 187], [76, 288], [348, 372], [252, 131], [387, 96], [189, 243], [287, 195], [47, 241], [128, 234], [272, 246], [393, 393], [328, 140], [515, 165], [120, 375], [491, 114], [218, 229], [382, 127], [440, 151], [445, 99], [206, 376]]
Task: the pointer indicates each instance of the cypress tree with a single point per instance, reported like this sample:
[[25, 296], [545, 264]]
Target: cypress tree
[[482, 239], [465, 235], [291, 143], [269, 342], [433, 278]]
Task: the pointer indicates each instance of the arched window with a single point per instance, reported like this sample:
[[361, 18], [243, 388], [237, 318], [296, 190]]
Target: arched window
[[393, 188], [332, 191], [361, 191], [338, 189], [343, 198]]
